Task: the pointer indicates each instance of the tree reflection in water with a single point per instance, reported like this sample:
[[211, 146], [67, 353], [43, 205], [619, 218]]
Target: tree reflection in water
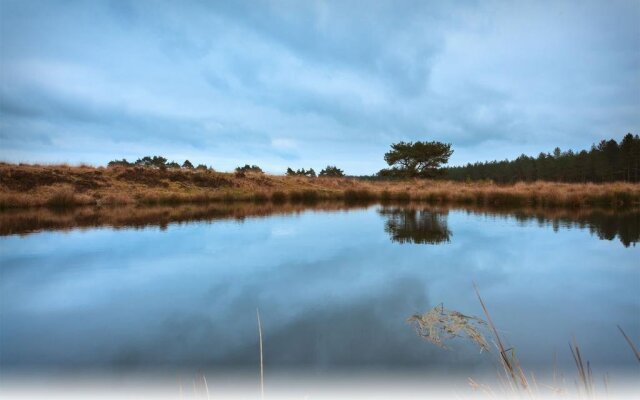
[[405, 223], [418, 226]]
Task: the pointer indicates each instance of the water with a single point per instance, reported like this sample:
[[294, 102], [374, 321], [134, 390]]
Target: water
[[334, 288]]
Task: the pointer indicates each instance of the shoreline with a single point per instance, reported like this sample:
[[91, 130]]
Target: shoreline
[[62, 186], [607, 224]]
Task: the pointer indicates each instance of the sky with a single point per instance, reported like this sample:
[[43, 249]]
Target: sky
[[310, 83]]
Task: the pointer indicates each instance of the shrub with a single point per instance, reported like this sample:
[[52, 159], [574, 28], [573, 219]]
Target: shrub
[[249, 168], [301, 172], [147, 161], [119, 163], [332, 172], [61, 198], [187, 164]]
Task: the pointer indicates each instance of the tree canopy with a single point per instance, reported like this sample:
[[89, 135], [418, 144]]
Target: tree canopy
[[416, 159], [249, 168], [331, 171], [301, 172], [187, 164], [155, 162]]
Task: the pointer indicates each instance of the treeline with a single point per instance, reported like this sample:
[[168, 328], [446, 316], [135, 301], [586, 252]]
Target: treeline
[[162, 163], [156, 162], [607, 161], [331, 171]]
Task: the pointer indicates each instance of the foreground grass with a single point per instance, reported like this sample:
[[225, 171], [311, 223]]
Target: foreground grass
[[440, 324], [62, 186]]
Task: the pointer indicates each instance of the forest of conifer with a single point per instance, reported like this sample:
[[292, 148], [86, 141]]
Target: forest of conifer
[[608, 161]]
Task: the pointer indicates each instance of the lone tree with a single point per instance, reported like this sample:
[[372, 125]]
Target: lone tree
[[419, 159]]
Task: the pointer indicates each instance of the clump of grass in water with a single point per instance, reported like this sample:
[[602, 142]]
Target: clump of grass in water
[[450, 324], [440, 322]]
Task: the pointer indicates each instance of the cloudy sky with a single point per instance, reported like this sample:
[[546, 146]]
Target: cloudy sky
[[311, 83]]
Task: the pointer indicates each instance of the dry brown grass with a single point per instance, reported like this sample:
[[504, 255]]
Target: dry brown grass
[[40, 185]]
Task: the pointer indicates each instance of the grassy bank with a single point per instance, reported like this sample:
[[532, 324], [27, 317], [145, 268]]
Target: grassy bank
[[62, 186]]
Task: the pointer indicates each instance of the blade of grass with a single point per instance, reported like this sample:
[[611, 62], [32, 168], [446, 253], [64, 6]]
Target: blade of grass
[[206, 387], [261, 357], [633, 347], [586, 378], [511, 366]]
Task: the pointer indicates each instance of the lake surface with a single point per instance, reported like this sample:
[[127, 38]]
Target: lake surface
[[334, 288]]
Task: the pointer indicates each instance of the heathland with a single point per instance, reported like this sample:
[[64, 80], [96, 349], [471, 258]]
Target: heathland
[[25, 185]]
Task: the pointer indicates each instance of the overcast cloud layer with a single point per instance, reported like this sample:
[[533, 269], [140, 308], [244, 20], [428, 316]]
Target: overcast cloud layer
[[306, 84]]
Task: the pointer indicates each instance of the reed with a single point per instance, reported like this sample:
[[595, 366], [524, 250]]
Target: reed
[[631, 344], [261, 355], [584, 370], [439, 323], [509, 362]]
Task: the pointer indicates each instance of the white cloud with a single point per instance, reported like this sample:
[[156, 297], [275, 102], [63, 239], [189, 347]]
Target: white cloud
[[315, 83]]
